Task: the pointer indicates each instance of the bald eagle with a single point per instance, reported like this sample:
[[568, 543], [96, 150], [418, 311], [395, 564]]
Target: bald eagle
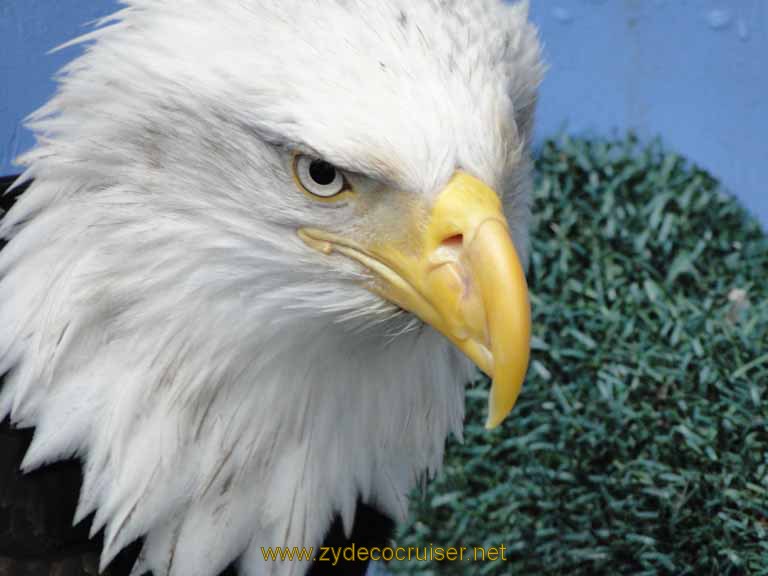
[[263, 246]]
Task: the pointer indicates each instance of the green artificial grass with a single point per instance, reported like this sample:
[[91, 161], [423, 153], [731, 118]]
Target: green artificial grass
[[640, 442]]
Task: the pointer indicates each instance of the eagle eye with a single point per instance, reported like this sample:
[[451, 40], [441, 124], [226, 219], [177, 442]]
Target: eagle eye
[[318, 177]]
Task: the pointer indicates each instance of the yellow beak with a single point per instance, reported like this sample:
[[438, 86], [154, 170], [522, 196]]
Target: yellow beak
[[464, 278]]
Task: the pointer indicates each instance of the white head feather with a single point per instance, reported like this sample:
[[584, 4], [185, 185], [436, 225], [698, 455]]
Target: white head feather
[[226, 387]]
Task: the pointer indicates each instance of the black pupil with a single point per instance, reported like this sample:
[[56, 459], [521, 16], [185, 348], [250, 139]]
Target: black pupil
[[322, 172]]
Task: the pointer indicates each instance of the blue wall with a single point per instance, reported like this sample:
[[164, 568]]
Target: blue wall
[[693, 71], [29, 29]]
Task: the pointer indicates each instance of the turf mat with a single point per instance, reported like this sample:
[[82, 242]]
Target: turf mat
[[640, 442]]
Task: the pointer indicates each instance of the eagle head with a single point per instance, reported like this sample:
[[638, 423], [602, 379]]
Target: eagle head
[[264, 245]]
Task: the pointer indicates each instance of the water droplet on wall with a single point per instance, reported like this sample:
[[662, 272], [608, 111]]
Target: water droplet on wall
[[561, 14], [742, 29], [718, 19]]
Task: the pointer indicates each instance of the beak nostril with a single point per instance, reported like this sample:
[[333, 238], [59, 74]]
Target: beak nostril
[[449, 250], [455, 241]]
